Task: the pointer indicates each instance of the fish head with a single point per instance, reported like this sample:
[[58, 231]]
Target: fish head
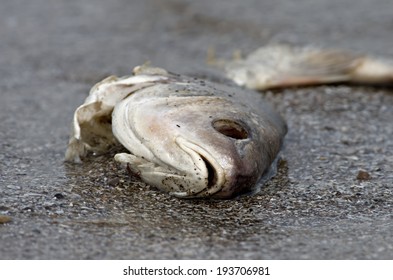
[[192, 139], [185, 136]]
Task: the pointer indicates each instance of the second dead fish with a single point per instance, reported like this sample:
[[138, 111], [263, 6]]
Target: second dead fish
[[280, 66]]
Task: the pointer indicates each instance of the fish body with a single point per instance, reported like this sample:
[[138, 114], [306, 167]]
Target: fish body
[[186, 136]]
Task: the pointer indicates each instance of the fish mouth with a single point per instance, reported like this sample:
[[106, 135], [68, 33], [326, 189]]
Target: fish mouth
[[208, 175]]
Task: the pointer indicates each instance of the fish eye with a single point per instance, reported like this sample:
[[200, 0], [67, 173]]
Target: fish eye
[[230, 129]]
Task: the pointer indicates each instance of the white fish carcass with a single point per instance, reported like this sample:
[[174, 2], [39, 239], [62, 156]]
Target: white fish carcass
[[187, 137]]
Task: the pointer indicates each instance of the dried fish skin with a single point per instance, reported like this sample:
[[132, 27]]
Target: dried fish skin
[[91, 126]]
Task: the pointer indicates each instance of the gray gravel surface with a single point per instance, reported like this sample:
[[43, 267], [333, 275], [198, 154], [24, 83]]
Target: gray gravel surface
[[332, 197]]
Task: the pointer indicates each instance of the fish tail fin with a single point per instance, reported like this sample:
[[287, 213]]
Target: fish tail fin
[[373, 71]]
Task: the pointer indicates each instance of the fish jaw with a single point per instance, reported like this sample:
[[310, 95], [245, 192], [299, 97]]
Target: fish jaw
[[203, 179], [209, 176]]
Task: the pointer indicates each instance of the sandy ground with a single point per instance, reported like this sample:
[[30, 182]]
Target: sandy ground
[[52, 52]]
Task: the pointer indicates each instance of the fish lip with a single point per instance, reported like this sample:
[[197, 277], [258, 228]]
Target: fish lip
[[202, 158]]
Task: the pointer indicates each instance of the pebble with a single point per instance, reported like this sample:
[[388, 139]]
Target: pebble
[[5, 219], [59, 196], [363, 175]]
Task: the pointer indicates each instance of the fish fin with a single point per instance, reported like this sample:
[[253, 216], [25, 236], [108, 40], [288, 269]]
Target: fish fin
[[146, 69], [75, 150], [279, 66], [91, 126], [91, 131]]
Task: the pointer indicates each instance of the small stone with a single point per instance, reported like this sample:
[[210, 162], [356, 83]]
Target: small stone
[[59, 196], [3, 208], [113, 182], [5, 219], [363, 175]]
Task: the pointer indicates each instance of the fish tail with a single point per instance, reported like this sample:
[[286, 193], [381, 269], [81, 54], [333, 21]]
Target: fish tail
[[373, 71]]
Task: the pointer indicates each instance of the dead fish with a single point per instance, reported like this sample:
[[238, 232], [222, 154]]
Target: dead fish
[[188, 137], [196, 138], [279, 66]]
